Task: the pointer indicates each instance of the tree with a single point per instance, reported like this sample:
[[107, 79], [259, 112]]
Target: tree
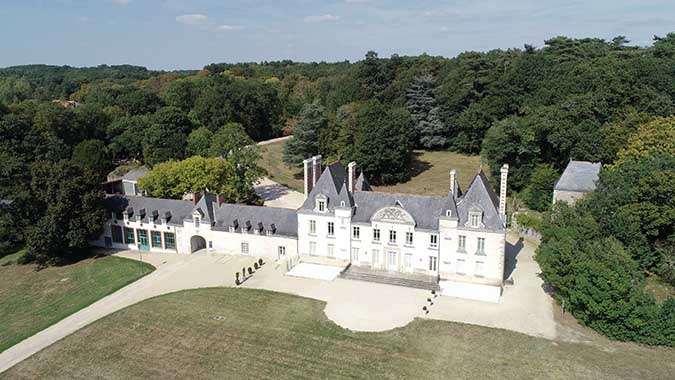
[[538, 193], [199, 142], [69, 198], [420, 101], [231, 137], [383, 142], [305, 140], [173, 179], [162, 144], [174, 119], [92, 155], [431, 131], [127, 135], [655, 136]]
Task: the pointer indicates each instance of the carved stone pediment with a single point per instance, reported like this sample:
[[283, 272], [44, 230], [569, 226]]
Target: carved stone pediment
[[393, 215]]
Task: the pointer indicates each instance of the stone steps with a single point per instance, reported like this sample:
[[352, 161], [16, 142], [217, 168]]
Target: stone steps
[[382, 277]]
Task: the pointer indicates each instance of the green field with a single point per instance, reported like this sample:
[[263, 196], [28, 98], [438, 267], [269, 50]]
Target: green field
[[32, 300], [227, 333], [430, 169]]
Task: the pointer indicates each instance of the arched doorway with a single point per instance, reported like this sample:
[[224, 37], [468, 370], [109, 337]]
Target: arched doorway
[[197, 243]]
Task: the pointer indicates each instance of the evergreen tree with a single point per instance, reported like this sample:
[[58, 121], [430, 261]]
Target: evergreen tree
[[432, 132], [420, 101], [305, 140]]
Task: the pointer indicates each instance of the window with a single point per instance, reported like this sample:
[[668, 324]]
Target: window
[[331, 250], [407, 260], [321, 206], [448, 213], [475, 218], [331, 228], [409, 238], [129, 235], [392, 236], [376, 234], [392, 258], [117, 234], [480, 269], [156, 239], [210, 244], [169, 240], [196, 219], [376, 257], [244, 248], [433, 240], [312, 226], [481, 246], [461, 244], [355, 254], [282, 250], [312, 248], [356, 232], [461, 269], [433, 263]]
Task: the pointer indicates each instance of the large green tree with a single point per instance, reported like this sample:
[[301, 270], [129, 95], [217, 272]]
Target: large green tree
[[305, 140]]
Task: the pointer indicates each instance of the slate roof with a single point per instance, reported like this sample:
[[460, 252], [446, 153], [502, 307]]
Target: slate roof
[[362, 184], [579, 176], [426, 210], [135, 174], [280, 221], [285, 221], [179, 209], [480, 195]]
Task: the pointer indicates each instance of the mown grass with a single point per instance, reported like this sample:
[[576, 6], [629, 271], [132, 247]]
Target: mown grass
[[32, 300], [226, 333], [430, 171]]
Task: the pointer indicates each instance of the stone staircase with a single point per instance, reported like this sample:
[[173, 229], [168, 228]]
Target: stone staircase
[[410, 280]]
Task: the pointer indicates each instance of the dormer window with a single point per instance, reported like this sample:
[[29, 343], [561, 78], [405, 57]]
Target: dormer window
[[475, 218], [448, 213], [321, 206], [342, 204]]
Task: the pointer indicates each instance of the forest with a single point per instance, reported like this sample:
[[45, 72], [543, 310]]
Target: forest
[[534, 108]]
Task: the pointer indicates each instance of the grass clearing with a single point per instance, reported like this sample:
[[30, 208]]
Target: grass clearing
[[659, 288], [223, 333], [431, 171], [32, 300]]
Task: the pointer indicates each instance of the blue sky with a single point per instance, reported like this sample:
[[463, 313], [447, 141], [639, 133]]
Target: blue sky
[[188, 34]]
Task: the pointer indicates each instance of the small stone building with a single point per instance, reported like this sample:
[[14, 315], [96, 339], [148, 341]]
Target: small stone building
[[577, 180]]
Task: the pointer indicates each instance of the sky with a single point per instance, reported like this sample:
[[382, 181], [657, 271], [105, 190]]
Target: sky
[[189, 34]]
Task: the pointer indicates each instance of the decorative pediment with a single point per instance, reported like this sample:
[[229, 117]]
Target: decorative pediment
[[393, 215]]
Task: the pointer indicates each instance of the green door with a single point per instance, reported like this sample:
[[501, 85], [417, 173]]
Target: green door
[[143, 240]]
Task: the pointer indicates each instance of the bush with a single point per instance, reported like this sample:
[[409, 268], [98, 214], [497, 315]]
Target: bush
[[529, 220]]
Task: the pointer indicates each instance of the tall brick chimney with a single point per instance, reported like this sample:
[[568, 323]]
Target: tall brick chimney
[[316, 169], [502, 191], [309, 174], [351, 172]]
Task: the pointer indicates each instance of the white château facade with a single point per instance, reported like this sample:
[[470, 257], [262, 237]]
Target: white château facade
[[457, 240]]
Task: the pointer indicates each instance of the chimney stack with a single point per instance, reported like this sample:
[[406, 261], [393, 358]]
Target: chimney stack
[[316, 169], [453, 182], [502, 191], [351, 172], [308, 181], [196, 197]]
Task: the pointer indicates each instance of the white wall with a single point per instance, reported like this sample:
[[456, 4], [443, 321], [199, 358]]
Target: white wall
[[493, 259]]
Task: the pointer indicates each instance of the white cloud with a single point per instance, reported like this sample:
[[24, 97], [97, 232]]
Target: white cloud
[[321, 18], [121, 2], [193, 19], [225, 28]]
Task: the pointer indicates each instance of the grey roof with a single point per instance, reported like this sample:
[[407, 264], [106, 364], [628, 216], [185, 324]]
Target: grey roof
[[329, 184], [579, 176], [279, 221], [135, 174], [178, 210], [424, 209], [362, 184], [481, 196], [6, 202]]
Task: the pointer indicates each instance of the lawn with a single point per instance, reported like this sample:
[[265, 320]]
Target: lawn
[[228, 333], [32, 300], [430, 169], [659, 288]]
